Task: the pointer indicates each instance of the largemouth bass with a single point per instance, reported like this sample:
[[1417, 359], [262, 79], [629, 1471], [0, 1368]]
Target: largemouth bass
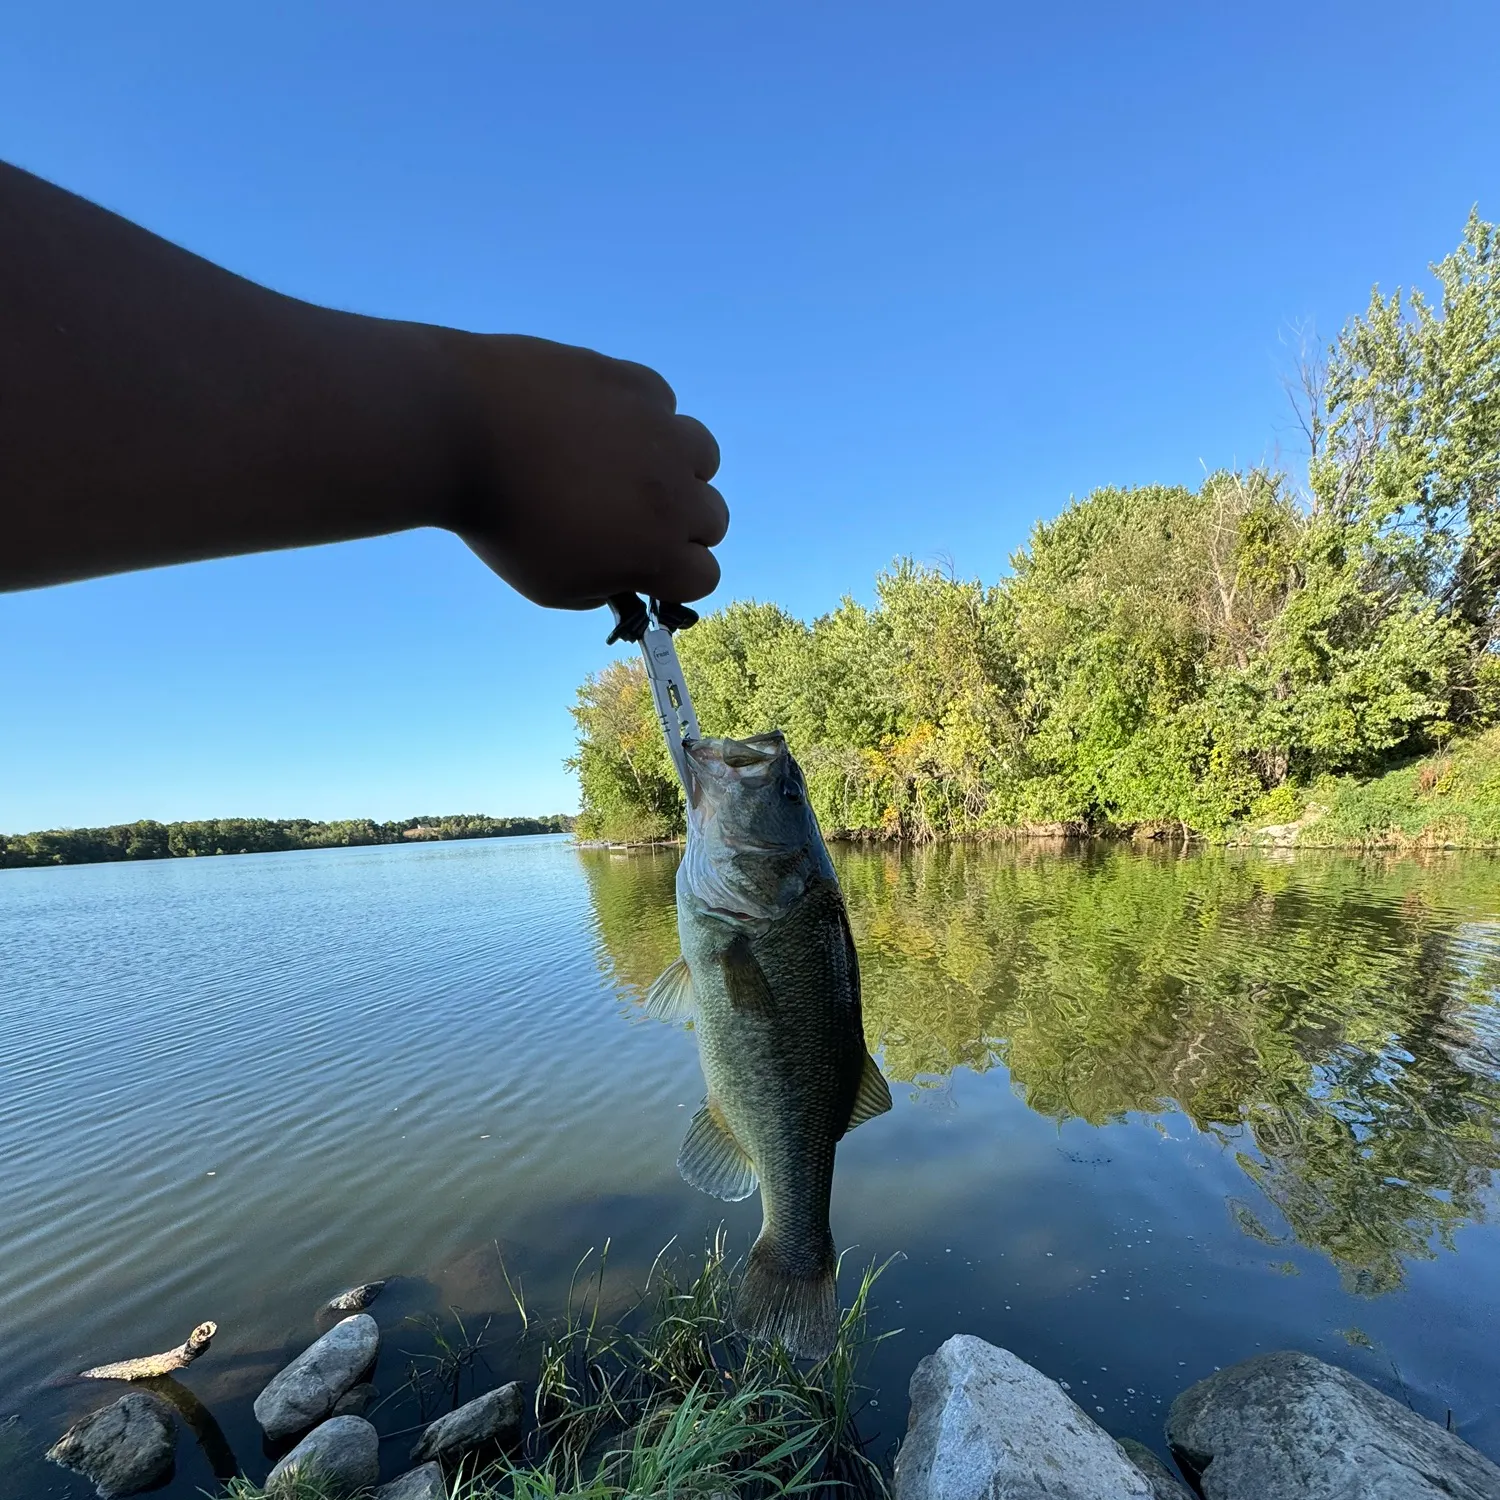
[[769, 972]]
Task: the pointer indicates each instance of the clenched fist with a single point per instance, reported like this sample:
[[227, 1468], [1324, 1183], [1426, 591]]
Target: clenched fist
[[585, 479]]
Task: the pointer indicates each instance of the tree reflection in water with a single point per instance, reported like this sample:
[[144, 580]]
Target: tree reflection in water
[[1333, 1019]]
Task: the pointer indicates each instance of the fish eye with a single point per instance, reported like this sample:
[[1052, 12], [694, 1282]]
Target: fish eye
[[791, 791]]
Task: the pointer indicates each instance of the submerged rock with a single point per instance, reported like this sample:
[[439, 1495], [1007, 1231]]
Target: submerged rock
[[344, 1452], [1165, 1485], [355, 1401], [985, 1424], [356, 1299], [425, 1483], [1286, 1426], [309, 1388], [122, 1448], [494, 1417]]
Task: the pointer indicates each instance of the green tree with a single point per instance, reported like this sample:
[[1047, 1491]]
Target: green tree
[[1159, 658]]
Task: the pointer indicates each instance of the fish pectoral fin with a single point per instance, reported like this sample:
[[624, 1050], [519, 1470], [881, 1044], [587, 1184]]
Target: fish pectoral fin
[[670, 997], [873, 1098], [713, 1161], [745, 980]]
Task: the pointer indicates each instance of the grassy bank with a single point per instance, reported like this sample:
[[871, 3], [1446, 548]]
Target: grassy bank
[[670, 1402], [1448, 800]]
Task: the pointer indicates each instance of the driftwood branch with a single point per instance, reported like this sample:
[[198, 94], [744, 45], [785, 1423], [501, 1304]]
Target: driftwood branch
[[157, 1364]]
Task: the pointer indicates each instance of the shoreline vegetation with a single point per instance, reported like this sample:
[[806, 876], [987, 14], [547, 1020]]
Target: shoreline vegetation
[[668, 1401], [1447, 800], [663, 1400], [148, 839], [1248, 662]]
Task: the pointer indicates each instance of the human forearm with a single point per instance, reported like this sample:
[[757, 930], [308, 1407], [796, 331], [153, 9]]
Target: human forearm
[[155, 408]]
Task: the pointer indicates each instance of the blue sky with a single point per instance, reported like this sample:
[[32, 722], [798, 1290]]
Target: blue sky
[[927, 270]]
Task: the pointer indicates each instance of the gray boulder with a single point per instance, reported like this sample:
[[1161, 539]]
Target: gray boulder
[[123, 1448], [985, 1424], [425, 1483], [1165, 1485], [1286, 1426], [344, 1452], [309, 1388], [494, 1417]]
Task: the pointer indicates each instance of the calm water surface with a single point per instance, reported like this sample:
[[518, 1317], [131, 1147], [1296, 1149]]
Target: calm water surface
[[1152, 1114]]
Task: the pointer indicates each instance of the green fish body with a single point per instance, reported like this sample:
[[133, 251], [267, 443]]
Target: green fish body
[[769, 972]]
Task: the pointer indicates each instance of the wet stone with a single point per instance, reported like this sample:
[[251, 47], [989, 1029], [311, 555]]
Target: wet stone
[[425, 1483], [123, 1448], [494, 1417], [985, 1424], [310, 1387], [344, 1452], [1165, 1485], [356, 1401], [356, 1299], [1286, 1426]]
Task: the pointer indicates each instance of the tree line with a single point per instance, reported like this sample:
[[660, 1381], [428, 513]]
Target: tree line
[[151, 840], [1157, 656]]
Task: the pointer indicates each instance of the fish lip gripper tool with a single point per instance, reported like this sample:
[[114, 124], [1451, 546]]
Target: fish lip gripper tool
[[652, 626]]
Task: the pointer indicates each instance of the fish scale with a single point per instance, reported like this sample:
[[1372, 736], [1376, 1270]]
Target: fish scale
[[770, 973]]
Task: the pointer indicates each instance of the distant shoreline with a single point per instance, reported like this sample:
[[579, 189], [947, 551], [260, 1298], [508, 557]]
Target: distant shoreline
[[148, 839]]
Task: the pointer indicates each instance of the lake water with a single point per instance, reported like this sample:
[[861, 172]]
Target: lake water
[[1153, 1113]]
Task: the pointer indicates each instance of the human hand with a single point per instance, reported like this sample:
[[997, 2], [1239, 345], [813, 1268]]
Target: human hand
[[582, 480]]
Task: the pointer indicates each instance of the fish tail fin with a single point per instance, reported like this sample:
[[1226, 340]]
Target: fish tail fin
[[791, 1299]]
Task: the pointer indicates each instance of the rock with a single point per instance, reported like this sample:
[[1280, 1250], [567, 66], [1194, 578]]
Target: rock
[[1165, 1485], [356, 1299], [494, 1417], [123, 1448], [985, 1424], [343, 1451], [425, 1483], [355, 1401], [309, 1388], [1286, 1426]]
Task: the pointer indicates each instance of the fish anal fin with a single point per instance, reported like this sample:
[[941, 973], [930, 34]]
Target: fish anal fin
[[745, 980], [873, 1098], [670, 997], [713, 1161]]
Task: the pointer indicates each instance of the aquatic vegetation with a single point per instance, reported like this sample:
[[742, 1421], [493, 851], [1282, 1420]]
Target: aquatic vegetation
[[307, 1484], [669, 1401], [672, 1401]]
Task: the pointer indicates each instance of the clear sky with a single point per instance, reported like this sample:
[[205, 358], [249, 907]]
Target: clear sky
[[928, 270]]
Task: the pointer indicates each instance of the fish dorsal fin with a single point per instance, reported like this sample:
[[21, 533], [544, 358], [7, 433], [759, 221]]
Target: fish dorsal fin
[[873, 1098], [745, 980], [670, 997], [713, 1161]]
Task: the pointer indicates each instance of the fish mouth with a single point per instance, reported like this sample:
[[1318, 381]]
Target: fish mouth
[[715, 765], [737, 755]]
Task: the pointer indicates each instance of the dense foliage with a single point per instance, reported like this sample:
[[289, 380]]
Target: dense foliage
[[149, 840], [1158, 655]]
